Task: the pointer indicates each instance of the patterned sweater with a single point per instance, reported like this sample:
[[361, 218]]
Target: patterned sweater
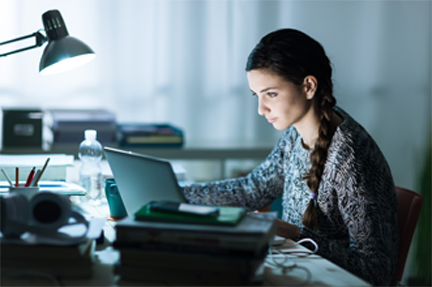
[[357, 205]]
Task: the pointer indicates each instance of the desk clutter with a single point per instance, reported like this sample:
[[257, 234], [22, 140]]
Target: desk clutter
[[178, 253], [57, 127], [46, 235], [19, 171]]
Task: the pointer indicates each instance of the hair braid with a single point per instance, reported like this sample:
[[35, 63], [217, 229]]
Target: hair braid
[[318, 158]]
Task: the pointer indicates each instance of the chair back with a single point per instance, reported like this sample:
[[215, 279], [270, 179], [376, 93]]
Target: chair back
[[409, 206]]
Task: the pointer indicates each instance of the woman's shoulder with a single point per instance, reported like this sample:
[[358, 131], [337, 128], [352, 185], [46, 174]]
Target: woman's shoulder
[[352, 143]]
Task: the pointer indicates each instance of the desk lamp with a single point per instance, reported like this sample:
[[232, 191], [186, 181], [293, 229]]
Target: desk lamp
[[63, 52]]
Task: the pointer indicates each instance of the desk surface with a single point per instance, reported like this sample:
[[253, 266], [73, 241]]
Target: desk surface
[[322, 271]]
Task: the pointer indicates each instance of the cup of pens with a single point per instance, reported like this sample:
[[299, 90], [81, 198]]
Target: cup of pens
[[28, 188], [27, 191]]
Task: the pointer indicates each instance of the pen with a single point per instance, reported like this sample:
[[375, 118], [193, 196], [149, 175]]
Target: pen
[[40, 174], [7, 177], [17, 176], [32, 183], [30, 177]]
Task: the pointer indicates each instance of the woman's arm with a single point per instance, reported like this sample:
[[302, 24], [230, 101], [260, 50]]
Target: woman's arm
[[255, 191], [287, 230]]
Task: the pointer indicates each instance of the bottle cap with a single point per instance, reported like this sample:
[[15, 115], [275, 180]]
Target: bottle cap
[[90, 134]]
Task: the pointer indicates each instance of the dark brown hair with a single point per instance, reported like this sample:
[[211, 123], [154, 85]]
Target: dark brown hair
[[294, 55]]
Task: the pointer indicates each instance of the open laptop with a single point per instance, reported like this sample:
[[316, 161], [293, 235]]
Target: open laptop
[[141, 179]]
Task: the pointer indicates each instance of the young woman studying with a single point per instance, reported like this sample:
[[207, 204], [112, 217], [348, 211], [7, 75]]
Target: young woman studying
[[335, 183]]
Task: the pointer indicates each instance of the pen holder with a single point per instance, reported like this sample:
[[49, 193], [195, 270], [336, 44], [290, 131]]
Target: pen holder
[[26, 191]]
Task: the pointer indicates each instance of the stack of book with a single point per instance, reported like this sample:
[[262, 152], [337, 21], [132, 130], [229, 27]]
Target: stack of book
[[70, 261], [181, 253], [149, 135]]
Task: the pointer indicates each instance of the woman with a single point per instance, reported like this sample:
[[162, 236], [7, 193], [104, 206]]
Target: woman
[[335, 183]]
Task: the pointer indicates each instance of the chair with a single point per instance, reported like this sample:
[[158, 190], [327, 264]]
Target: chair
[[409, 205]]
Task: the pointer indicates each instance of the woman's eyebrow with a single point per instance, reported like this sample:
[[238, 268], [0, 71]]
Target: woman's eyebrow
[[266, 89]]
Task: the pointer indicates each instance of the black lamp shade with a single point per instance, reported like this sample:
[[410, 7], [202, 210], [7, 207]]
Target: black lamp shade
[[63, 52]]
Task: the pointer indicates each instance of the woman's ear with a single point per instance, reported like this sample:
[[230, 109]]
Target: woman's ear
[[310, 86]]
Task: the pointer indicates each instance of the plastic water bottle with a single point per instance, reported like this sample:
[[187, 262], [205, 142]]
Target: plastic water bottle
[[90, 174]]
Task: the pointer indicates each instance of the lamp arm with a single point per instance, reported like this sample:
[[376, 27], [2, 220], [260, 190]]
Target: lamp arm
[[40, 40]]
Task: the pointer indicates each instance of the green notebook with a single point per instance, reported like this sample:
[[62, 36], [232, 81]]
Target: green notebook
[[227, 216]]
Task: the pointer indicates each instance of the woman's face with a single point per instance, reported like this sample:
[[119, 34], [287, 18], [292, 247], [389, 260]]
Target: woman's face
[[281, 102]]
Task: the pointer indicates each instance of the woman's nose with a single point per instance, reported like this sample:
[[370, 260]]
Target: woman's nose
[[262, 108]]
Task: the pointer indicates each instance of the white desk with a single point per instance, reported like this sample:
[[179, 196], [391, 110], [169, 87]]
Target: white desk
[[323, 272]]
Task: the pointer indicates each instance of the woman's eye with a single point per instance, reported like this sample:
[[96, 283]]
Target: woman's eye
[[272, 95]]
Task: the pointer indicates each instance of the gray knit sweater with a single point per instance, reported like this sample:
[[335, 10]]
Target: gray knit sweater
[[357, 205]]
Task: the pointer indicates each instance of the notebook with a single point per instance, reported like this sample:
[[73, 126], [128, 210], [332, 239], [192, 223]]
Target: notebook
[[141, 179]]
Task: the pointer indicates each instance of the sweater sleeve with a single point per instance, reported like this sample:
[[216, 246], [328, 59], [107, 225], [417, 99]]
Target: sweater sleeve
[[254, 191], [365, 199]]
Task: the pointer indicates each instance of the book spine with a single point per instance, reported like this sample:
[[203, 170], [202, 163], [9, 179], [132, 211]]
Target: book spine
[[180, 277], [190, 261], [194, 239]]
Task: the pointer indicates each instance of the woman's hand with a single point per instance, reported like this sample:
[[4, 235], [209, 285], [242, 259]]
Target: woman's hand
[[286, 229]]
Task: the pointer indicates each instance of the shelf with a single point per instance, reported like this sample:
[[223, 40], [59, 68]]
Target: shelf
[[188, 153]]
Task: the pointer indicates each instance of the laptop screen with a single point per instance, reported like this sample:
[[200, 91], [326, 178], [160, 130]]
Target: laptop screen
[[141, 179]]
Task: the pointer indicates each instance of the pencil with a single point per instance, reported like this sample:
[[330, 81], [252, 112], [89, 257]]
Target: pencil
[[40, 174], [7, 177], [17, 176]]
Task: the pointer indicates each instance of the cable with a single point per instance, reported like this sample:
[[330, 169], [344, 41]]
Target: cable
[[288, 264], [300, 253]]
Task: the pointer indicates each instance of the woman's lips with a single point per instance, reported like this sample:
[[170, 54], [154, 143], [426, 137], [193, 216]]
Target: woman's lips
[[271, 120]]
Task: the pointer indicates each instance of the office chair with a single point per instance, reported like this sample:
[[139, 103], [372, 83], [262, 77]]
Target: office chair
[[409, 206]]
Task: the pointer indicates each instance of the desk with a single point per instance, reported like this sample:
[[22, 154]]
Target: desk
[[323, 272]]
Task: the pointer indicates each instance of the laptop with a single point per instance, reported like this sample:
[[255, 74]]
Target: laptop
[[141, 178]]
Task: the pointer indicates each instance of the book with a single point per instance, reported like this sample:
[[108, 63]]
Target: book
[[149, 135], [30, 251], [226, 216], [216, 249], [60, 261], [59, 187], [190, 278], [250, 234], [187, 261], [68, 125]]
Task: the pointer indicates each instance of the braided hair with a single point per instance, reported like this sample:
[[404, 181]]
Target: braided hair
[[294, 55]]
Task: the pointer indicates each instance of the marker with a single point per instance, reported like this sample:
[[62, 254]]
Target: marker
[[7, 177], [30, 177]]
